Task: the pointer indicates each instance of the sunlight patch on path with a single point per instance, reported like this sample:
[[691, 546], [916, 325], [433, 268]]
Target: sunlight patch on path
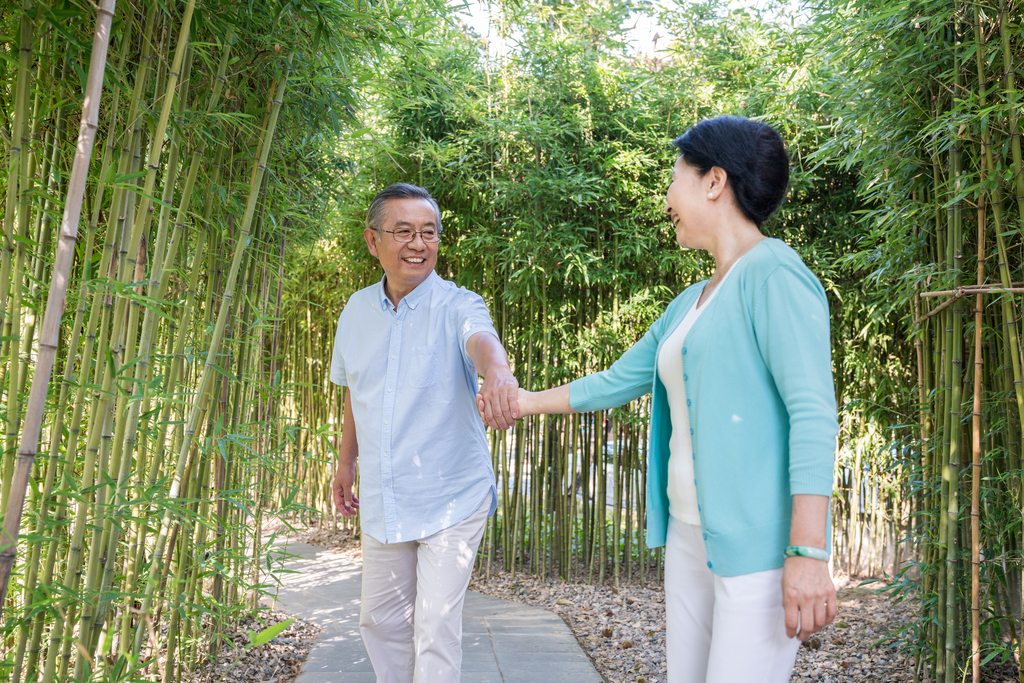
[[502, 641]]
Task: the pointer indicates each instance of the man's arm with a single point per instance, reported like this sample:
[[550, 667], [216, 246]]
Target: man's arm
[[499, 394], [345, 474]]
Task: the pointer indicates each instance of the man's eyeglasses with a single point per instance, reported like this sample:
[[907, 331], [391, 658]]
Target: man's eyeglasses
[[408, 235]]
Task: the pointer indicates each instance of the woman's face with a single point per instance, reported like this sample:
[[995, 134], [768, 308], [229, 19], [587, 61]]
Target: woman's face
[[685, 204]]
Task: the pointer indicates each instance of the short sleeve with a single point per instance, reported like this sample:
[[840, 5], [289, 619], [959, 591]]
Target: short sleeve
[[338, 375], [471, 316]]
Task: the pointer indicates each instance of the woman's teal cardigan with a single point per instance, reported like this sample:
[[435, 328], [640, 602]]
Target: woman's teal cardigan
[[758, 376]]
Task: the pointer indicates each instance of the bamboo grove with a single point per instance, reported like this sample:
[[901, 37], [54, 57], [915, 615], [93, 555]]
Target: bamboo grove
[[549, 162], [942, 167], [237, 147], [164, 435], [548, 159]]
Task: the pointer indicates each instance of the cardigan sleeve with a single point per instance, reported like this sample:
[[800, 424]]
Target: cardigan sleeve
[[791, 321], [629, 378]]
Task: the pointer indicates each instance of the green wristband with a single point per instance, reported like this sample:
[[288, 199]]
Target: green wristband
[[807, 551]]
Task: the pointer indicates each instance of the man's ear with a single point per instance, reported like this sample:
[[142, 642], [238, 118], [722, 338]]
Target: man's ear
[[370, 235]]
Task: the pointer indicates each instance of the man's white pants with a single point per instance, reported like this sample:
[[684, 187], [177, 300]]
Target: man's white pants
[[411, 615], [722, 629]]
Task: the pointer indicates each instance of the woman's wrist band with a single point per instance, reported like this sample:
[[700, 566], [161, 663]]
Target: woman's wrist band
[[807, 551]]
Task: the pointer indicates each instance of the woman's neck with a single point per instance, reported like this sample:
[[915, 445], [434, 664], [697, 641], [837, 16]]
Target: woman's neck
[[725, 259], [731, 244]]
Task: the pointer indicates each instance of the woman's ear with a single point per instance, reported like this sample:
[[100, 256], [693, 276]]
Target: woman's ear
[[716, 180]]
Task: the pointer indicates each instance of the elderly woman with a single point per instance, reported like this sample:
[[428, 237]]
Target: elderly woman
[[743, 420]]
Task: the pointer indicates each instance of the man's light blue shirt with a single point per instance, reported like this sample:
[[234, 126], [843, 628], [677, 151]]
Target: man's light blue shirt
[[424, 464]]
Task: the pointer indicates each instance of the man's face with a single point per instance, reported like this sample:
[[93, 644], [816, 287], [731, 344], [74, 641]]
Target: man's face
[[405, 264]]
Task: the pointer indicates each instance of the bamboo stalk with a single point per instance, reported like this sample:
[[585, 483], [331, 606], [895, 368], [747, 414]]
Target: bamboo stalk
[[976, 458], [58, 291]]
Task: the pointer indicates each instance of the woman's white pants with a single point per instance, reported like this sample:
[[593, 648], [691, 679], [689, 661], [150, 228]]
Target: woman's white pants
[[721, 629], [413, 592]]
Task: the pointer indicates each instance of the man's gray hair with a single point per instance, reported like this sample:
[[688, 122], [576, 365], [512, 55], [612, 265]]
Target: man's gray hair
[[375, 214]]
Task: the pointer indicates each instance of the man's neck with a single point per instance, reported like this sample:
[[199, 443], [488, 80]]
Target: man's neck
[[395, 292]]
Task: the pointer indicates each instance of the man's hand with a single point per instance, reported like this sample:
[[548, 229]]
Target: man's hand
[[498, 400], [344, 479]]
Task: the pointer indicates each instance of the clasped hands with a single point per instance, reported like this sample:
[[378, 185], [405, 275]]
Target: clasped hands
[[498, 399]]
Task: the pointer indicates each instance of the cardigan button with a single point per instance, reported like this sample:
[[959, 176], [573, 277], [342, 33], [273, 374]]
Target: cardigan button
[[686, 378], [688, 402], [705, 535], [691, 431], [709, 565], [684, 350]]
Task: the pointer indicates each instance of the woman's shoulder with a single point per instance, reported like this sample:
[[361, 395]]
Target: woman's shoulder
[[770, 253], [772, 256], [775, 269]]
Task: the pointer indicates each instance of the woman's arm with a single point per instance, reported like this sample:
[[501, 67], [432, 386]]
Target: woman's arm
[[792, 323], [532, 403], [628, 378], [808, 594], [545, 402]]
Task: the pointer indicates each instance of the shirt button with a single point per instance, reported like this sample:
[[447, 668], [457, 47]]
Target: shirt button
[[389, 390], [398, 322], [393, 356], [387, 422]]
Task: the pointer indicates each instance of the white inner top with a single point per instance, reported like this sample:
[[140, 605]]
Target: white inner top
[[682, 484]]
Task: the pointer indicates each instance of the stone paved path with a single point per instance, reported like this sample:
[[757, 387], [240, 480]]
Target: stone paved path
[[502, 641]]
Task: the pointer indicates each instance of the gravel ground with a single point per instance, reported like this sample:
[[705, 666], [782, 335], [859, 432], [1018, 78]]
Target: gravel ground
[[278, 661], [622, 630]]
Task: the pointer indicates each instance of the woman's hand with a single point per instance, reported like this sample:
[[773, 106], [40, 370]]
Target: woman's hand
[[808, 596]]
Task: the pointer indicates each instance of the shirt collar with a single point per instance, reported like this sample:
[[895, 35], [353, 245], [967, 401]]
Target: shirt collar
[[413, 298]]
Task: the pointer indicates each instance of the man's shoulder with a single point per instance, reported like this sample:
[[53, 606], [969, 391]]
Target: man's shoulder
[[366, 296], [452, 293]]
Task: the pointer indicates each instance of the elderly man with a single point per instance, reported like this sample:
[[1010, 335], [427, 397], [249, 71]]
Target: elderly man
[[409, 349]]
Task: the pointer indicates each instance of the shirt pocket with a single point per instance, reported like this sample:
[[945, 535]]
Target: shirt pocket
[[426, 366]]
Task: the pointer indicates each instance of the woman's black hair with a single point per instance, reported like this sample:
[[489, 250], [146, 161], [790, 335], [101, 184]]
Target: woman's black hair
[[750, 152]]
